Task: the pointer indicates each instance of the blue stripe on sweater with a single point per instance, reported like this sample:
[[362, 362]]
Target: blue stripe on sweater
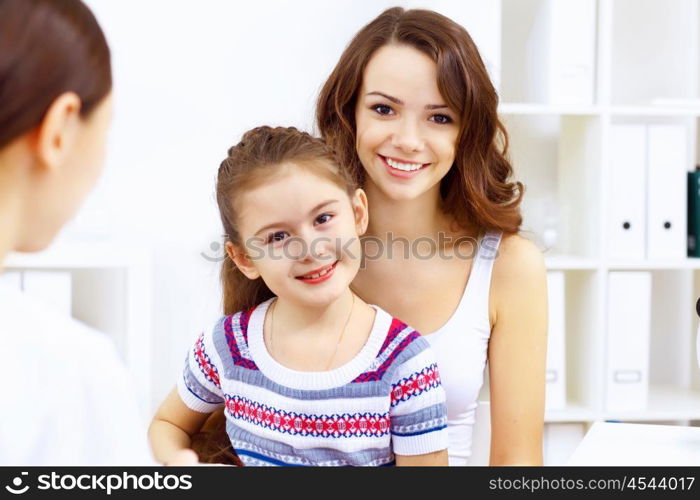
[[272, 461], [265, 459], [418, 433], [198, 390]]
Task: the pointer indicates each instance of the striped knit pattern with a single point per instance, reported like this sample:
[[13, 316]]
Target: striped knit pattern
[[390, 402]]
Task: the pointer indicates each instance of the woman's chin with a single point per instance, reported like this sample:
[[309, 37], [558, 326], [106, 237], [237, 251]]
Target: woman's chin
[[398, 190], [403, 193]]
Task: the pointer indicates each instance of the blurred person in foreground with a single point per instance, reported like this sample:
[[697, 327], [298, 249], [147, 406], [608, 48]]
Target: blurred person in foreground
[[65, 398]]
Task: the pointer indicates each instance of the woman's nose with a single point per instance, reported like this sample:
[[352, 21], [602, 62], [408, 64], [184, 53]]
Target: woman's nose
[[407, 136]]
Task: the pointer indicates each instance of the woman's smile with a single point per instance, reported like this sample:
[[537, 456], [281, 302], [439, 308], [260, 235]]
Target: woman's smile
[[402, 169]]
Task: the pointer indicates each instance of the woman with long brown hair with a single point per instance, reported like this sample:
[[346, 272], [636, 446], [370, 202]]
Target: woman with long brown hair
[[411, 112]]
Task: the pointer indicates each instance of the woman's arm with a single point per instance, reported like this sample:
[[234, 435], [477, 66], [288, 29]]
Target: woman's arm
[[517, 353], [437, 458], [172, 427]]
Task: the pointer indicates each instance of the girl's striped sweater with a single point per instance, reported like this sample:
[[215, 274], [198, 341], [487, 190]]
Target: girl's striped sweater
[[386, 400]]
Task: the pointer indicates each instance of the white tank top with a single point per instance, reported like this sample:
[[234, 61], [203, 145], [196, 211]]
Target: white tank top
[[461, 345]]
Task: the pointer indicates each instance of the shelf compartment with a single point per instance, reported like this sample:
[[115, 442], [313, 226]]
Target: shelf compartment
[[558, 160], [671, 51], [584, 342], [548, 51], [672, 333]]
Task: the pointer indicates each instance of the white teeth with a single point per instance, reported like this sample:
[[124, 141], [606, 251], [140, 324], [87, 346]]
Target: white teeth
[[406, 167], [317, 275]]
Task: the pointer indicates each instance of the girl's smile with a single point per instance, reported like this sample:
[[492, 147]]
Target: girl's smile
[[319, 275]]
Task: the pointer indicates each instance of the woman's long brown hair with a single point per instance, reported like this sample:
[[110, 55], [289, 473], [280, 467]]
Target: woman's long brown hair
[[476, 191], [250, 163]]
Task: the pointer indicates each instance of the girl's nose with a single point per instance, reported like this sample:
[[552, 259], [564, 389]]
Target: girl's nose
[[322, 250], [312, 246]]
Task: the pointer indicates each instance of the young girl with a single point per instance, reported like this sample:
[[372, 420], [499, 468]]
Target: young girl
[[308, 373]]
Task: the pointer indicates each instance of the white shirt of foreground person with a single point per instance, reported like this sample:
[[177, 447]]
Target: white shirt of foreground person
[[65, 397]]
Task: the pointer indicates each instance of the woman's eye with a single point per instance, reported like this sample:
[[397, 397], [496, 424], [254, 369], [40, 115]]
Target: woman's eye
[[323, 218], [382, 109], [441, 119], [278, 236]]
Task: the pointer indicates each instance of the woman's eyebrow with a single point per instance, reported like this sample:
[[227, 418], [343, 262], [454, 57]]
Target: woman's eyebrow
[[388, 97], [395, 100]]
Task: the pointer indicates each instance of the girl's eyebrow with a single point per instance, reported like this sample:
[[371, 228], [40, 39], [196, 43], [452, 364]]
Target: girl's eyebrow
[[278, 224], [429, 107]]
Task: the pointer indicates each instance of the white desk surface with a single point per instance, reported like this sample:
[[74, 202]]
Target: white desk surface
[[608, 443]]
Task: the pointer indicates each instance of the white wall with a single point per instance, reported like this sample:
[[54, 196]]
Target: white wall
[[189, 79]]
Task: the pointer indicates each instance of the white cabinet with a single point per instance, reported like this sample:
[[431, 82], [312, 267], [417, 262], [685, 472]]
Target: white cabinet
[[605, 196]]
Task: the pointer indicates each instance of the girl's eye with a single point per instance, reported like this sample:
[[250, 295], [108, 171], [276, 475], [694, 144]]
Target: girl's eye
[[278, 236], [382, 109], [441, 119], [323, 218]]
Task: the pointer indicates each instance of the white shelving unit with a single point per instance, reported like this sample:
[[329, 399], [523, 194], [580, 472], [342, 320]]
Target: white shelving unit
[[646, 70], [111, 292]]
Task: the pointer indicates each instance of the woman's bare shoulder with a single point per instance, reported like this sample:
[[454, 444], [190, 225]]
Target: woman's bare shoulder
[[518, 253], [518, 270]]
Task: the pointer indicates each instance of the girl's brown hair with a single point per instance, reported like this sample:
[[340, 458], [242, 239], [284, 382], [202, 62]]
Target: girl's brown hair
[[259, 155], [476, 190], [48, 47]]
